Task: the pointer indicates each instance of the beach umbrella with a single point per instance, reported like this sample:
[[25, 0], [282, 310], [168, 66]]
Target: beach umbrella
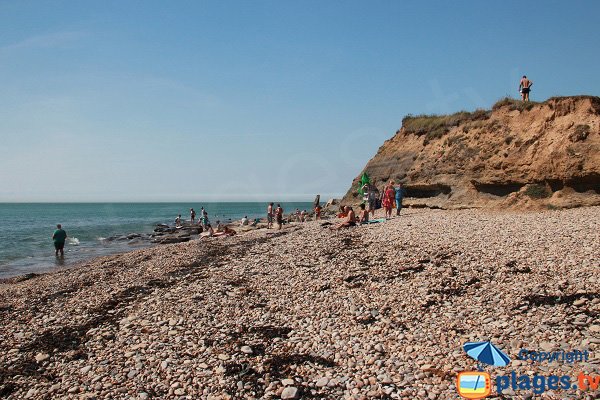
[[487, 353], [364, 179]]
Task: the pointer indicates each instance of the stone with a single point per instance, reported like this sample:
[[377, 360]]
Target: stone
[[287, 382], [131, 374], [322, 382], [246, 349], [290, 392], [580, 302], [85, 369], [41, 357]]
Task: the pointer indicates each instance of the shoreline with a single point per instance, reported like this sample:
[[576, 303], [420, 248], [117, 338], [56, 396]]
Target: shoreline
[[372, 311]]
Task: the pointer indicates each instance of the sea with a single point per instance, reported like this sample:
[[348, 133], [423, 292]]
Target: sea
[[25, 237]]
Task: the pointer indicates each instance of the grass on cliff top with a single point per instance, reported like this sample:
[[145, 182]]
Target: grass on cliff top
[[514, 104], [436, 126]]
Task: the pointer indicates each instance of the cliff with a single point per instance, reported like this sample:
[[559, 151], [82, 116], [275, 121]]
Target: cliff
[[518, 155]]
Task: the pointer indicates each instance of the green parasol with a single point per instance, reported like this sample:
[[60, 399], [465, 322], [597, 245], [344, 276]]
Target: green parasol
[[364, 179]]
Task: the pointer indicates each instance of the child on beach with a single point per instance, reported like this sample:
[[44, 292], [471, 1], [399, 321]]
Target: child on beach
[[363, 217], [178, 221]]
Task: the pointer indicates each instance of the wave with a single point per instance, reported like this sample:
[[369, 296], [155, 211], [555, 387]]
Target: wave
[[73, 241]]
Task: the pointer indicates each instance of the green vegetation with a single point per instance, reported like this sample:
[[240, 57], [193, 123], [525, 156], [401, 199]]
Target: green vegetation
[[514, 104], [436, 126], [537, 191]]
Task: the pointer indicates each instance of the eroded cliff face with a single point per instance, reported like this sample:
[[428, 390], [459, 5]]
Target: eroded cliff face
[[519, 155]]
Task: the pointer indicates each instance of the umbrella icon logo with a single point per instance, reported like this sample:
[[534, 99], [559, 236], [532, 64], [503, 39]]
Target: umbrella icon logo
[[477, 384], [486, 353]]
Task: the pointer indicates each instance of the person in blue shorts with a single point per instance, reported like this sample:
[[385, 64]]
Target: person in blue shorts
[[399, 197]]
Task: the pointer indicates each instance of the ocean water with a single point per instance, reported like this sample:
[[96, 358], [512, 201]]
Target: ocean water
[[27, 228]]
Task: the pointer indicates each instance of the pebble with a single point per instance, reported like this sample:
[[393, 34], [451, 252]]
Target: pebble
[[290, 392], [345, 315]]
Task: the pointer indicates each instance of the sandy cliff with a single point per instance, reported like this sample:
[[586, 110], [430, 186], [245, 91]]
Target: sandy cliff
[[516, 155]]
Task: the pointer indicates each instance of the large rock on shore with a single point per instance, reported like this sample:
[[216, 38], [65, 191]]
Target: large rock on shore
[[520, 155]]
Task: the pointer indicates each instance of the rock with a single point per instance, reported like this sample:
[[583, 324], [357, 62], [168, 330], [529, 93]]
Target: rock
[[547, 346], [85, 369], [287, 382], [290, 392], [580, 302], [595, 328], [321, 382], [246, 349], [41, 357], [143, 396], [131, 374]]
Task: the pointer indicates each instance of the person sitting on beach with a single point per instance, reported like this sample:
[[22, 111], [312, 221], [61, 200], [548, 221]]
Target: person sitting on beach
[[270, 216], [227, 231], [178, 221], [244, 220], [209, 232], [279, 216], [219, 226], [59, 237], [349, 221], [343, 212], [363, 217], [318, 212], [192, 215], [525, 88]]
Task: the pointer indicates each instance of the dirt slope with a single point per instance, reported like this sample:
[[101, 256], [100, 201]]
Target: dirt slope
[[516, 155]]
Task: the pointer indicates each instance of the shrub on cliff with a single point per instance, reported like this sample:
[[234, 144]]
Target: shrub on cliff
[[537, 191], [436, 126], [514, 104]]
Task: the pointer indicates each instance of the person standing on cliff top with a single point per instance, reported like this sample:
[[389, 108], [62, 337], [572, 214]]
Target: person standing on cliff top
[[59, 237], [525, 88]]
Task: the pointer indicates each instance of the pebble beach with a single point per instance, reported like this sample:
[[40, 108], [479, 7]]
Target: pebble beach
[[376, 311]]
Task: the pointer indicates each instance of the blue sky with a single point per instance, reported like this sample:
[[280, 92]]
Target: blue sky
[[255, 100]]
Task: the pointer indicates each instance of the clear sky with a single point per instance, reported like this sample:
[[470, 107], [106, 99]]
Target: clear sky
[[228, 100]]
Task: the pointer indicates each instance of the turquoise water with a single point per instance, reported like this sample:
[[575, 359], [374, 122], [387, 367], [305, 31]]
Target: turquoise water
[[27, 228]]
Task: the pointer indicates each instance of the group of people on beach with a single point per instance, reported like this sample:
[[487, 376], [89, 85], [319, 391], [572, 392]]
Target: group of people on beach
[[389, 198]]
